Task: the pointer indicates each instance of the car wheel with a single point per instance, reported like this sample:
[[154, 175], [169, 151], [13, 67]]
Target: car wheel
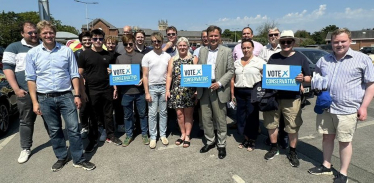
[[4, 118]]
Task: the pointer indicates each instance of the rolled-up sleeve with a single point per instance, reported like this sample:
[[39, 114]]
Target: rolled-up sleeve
[[73, 66], [30, 70]]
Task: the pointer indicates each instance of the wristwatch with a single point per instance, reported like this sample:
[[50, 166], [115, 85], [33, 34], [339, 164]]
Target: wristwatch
[[79, 96]]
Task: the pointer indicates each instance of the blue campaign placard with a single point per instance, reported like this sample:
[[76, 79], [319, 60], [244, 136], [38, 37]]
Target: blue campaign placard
[[281, 77], [124, 74], [199, 75]]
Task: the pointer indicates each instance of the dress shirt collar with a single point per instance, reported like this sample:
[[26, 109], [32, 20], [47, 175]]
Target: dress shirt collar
[[349, 54], [214, 49], [23, 42], [57, 46]]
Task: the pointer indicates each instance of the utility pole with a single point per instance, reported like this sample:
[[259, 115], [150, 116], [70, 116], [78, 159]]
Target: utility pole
[[78, 1], [44, 10]]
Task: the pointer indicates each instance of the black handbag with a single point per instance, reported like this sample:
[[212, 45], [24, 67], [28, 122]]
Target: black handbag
[[265, 98]]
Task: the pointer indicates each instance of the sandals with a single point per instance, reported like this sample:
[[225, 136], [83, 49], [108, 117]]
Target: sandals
[[186, 143], [244, 144], [179, 142], [251, 145]]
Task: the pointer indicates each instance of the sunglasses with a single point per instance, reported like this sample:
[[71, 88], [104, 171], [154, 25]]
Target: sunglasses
[[171, 34], [284, 42], [95, 39], [32, 33], [271, 35], [128, 44], [156, 41]]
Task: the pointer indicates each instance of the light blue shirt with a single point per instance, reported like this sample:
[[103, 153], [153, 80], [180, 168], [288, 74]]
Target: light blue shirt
[[212, 57], [52, 70], [347, 79]]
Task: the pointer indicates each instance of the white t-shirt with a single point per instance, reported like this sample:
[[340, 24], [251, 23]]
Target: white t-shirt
[[157, 65], [250, 74]]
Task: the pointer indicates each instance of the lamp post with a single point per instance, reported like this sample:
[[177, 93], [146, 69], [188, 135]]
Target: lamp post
[[235, 33], [91, 23], [78, 1]]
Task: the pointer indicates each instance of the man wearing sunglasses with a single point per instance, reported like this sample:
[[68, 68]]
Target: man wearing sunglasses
[[289, 101], [247, 33], [14, 70], [172, 35], [154, 65], [94, 63], [126, 30]]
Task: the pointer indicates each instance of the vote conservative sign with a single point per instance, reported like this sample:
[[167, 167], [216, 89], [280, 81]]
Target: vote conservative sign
[[196, 75], [281, 77], [124, 74]]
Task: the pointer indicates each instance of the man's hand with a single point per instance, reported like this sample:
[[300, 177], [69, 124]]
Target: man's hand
[[148, 97], [77, 102], [115, 94], [169, 44], [36, 109], [167, 95], [20, 93], [214, 86], [300, 77], [362, 113], [109, 70], [140, 82]]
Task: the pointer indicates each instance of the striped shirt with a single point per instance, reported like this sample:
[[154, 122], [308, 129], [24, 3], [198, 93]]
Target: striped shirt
[[14, 59], [347, 79], [268, 51]]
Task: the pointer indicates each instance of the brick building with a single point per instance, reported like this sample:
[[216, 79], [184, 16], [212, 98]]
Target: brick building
[[360, 39]]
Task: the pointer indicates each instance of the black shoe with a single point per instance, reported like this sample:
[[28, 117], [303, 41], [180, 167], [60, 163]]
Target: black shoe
[[85, 165], [292, 157], [206, 148], [59, 165], [116, 141], [91, 147], [340, 178], [321, 170], [221, 152], [270, 155]]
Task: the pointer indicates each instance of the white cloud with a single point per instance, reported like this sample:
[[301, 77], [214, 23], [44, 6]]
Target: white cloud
[[240, 22]]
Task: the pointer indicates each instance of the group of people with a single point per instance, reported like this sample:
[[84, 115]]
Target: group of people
[[43, 75]]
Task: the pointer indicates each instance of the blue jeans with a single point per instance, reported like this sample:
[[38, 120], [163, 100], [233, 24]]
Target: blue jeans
[[128, 108], [157, 93], [52, 108]]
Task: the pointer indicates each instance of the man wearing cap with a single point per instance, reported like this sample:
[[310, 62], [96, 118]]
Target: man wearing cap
[[247, 33], [350, 84], [289, 101]]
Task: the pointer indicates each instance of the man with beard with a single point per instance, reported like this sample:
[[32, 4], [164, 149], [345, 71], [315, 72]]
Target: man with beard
[[14, 70]]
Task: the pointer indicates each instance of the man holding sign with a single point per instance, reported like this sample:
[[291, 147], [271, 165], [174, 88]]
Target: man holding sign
[[213, 99], [289, 101]]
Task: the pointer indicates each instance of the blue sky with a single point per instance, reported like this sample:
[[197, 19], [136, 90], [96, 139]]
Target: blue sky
[[196, 15]]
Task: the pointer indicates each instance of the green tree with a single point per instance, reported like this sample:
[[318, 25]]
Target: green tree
[[10, 25], [302, 34], [307, 41], [320, 36], [263, 29], [226, 33]]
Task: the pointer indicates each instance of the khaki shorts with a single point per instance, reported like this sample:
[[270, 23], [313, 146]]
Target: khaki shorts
[[291, 110], [343, 126]]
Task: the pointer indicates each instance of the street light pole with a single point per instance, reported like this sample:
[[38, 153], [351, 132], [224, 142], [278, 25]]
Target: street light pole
[[78, 1]]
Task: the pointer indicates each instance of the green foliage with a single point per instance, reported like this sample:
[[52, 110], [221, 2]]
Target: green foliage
[[302, 34], [307, 41], [263, 29], [231, 34], [262, 40], [320, 36], [10, 25]]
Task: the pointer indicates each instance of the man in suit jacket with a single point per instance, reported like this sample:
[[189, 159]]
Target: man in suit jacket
[[213, 99]]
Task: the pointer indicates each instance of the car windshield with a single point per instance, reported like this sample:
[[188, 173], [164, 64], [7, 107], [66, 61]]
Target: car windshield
[[314, 55]]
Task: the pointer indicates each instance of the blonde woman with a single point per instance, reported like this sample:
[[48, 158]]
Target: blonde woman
[[181, 98]]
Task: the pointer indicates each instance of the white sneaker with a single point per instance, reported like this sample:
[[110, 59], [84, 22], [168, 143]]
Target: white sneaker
[[24, 156], [164, 141], [121, 128], [152, 144], [103, 136]]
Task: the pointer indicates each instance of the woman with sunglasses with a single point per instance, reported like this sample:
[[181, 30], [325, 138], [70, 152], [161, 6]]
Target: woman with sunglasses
[[248, 72], [181, 98]]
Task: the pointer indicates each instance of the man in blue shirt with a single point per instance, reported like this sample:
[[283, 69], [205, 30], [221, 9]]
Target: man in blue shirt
[[51, 70]]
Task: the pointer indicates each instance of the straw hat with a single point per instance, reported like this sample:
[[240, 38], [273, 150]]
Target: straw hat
[[288, 34]]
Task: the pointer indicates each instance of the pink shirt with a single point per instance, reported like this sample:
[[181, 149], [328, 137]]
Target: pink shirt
[[238, 53]]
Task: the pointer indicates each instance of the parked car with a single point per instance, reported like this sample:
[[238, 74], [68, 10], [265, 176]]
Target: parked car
[[367, 49], [326, 47], [312, 55], [230, 45], [8, 102]]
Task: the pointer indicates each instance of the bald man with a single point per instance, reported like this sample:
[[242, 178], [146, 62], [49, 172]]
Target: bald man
[[126, 30]]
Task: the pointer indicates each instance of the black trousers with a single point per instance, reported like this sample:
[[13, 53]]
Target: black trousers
[[247, 114], [102, 104]]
